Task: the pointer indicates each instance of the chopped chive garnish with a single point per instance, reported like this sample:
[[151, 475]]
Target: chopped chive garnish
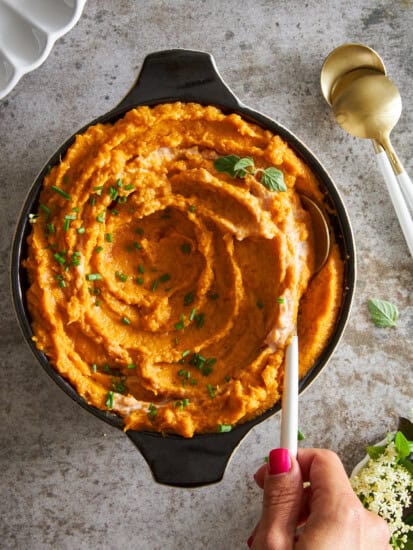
[[129, 187], [62, 284], [192, 314], [121, 276], [192, 208], [50, 228], [222, 428], [93, 277], [139, 230], [141, 269], [119, 182], [113, 193], [176, 340], [108, 237], [109, 400], [122, 199], [185, 402], [92, 201], [165, 277], [97, 303], [66, 224], [76, 209], [98, 189], [260, 305], [45, 209], [186, 248], [211, 391], [61, 192], [70, 217], [152, 411], [200, 320], [280, 300], [138, 246], [101, 217], [98, 249], [181, 324], [139, 280], [114, 212], [59, 258], [155, 285], [189, 298], [94, 367], [131, 366], [125, 321], [193, 382], [186, 352], [81, 230]]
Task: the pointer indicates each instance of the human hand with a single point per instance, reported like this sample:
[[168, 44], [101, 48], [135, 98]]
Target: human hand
[[332, 514]]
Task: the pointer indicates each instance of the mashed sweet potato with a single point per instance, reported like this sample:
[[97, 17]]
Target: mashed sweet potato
[[167, 291]]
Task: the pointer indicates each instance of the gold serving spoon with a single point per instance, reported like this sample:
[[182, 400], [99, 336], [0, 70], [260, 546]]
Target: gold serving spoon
[[289, 409], [367, 104]]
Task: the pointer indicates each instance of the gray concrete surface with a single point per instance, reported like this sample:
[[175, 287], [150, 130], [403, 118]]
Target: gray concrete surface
[[69, 481]]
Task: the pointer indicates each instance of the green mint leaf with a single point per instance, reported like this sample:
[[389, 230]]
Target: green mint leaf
[[375, 451], [402, 445], [383, 313], [273, 179], [226, 164], [240, 168], [408, 464]]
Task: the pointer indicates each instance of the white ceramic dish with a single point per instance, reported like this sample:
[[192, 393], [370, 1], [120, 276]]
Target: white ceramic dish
[[365, 460], [28, 30]]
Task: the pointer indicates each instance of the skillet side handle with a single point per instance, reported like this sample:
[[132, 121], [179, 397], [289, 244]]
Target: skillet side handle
[[181, 462], [174, 75]]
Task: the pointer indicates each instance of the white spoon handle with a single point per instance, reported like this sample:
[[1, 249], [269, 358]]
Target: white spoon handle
[[406, 185], [400, 206], [289, 412]]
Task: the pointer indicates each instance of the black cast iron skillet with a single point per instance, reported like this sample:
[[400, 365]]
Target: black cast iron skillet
[[167, 76]]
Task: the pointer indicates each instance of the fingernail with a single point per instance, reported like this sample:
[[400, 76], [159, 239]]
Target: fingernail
[[279, 462], [250, 541]]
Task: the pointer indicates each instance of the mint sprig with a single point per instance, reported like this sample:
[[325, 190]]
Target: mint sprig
[[383, 314], [272, 178]]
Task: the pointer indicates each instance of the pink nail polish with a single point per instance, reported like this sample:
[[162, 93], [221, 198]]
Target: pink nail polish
[[250, 541], [279, 462]]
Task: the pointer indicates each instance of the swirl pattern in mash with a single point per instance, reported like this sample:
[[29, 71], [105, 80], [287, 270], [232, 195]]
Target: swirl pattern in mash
[[166, 291]]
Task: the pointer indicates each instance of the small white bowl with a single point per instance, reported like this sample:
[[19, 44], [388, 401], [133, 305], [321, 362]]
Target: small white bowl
[[362, 463], [28, 30]]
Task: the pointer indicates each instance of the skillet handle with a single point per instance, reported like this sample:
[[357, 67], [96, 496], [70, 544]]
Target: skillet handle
[[181, 462], [174, 75]]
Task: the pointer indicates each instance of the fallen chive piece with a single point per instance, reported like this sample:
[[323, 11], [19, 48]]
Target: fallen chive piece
[[192, 314], [141, 269], [101, 217], [81, 230], [125, 321], [155, 285], [222, 428], [108, 237], [109, 400], [61, 192], [139, 280], [93, 277], [98, 249], [189, 298], [131, 366], [186, 248], [165, 277]]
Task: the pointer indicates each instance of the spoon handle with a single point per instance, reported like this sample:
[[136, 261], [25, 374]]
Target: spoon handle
[[400, 206], [289, 410], [406, 185]]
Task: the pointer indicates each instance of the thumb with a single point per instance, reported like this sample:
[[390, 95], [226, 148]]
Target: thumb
[[283, 492]]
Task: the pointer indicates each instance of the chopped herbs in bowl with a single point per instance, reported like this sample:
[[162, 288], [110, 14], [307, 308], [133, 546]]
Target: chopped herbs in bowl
[[384, 483]]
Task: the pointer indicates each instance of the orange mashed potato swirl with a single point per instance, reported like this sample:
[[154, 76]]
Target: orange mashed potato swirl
[[166, 291]]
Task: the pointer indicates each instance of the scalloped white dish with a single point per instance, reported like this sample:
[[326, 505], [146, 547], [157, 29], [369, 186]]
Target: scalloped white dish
[[28, 31]]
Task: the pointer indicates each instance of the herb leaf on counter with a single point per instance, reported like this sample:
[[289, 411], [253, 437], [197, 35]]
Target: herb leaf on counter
[[383, 313]]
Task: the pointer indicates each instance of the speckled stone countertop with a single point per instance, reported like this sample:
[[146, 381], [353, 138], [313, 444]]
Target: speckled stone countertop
[[68, 480]]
